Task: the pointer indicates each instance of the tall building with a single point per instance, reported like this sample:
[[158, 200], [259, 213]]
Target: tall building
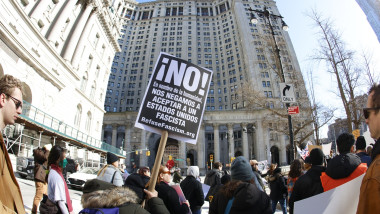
[[243, 107], [62, 51], [371, 8]]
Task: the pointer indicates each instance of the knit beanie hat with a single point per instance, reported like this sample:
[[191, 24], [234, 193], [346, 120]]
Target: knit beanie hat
[[111, 158], [316, 156], [241, 169], [95, 185], [360, 143]]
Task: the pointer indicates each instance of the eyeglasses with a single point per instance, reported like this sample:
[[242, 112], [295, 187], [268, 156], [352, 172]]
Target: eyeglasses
[[17, 102], [167, 172], [367, 110]]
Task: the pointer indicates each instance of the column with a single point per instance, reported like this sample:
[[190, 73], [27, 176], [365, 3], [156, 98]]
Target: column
[[182, 155], [216, 143], [57, 25], [201, 149], [267, 145], [82, 40], [244, 137], [71, 42], [114, 134], [127, 145], [231, 144], [38, 9], [259, 145], [143, 147]]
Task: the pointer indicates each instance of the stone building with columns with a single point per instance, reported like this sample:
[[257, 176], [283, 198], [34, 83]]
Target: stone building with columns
[[62, 50], [244, 93]]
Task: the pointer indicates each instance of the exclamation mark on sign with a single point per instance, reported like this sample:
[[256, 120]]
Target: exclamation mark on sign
[[204, 81]]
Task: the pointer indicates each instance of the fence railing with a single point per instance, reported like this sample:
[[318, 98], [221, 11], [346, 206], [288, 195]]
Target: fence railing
[[36, 115]]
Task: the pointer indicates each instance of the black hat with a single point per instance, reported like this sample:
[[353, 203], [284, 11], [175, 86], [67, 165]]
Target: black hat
[[111, 158], [316, 156], [360, 143], [95, 185], [307, 160], [241, 169]]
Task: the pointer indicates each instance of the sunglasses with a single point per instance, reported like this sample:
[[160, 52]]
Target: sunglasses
[[17, 102], [367, 110], [167, 172]]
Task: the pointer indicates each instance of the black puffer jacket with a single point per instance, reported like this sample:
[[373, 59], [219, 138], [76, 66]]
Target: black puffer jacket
[[192, 189], [171, 199], [247, 199], [307, 185], [137, 183], [278, 189], [342, 166]]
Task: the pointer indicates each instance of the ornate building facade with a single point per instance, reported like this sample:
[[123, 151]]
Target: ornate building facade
[[62, 50], [244, 115]]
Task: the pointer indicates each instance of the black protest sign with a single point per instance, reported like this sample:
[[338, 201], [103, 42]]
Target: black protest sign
[[175, 98]]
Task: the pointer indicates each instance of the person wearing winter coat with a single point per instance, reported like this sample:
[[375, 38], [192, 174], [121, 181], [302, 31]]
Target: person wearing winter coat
[[40, 167], [296, 170], [309, 184], [343, 167], [192, 189], [240, 195], [100, 194], [278, 190], [168, 194], [213, 180], [177, 176], [110, 172], [138, 182]]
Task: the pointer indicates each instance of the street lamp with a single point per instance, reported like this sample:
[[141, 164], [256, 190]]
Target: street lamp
[[268, 17]]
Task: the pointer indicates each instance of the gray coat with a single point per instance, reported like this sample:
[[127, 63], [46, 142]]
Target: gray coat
[[106, 174]]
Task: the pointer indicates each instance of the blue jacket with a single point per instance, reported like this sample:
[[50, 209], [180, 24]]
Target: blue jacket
[[364, 158]]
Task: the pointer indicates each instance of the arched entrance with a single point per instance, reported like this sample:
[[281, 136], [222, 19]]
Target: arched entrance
[[275, 154]]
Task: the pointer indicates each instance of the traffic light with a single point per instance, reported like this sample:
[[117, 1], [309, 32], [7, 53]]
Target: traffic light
[[211, 157], [148, 153], [170, 157], [137, 152]]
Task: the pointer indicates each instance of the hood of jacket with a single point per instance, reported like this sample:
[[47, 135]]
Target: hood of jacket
[[137, 180], [102, 196], [315, 173], [246, 195], [342, 166]]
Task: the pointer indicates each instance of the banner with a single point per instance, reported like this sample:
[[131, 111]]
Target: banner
[[342, 199], [175, 99]]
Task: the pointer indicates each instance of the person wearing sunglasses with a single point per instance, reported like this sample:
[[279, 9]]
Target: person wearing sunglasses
[[10, 107], [168, 194], [370, 188]]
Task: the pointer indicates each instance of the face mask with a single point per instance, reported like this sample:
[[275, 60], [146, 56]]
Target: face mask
[[63, 163]]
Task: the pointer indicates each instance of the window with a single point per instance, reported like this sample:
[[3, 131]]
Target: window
[[84, 82], [88, 121], [78, 115]]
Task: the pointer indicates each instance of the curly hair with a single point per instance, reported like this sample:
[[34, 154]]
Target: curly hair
[[296, 168], [8, 83]]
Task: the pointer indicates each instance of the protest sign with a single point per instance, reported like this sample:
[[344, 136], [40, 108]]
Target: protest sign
[[175, 99], [342, 199], [178, 189]]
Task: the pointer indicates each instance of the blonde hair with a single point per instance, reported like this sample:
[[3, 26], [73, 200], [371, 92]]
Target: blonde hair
[[162, 170]]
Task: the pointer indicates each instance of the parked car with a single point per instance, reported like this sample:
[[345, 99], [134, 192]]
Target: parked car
[[77, 179], [25, 167]]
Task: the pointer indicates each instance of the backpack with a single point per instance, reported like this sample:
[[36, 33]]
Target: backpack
[[114, 210]]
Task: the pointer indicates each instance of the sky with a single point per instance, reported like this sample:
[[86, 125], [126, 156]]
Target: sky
[[349, 20]]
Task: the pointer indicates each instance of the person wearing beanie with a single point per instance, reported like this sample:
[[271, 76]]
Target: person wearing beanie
[[361, 151], [240, 195], [309, 184], [110, 172], [345, 166], [99, 194], [192, 189]]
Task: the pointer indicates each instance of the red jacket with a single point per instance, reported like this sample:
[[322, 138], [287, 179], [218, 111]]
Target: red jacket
[[329, 183]]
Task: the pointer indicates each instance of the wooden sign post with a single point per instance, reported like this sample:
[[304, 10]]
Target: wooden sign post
[[157, 162]]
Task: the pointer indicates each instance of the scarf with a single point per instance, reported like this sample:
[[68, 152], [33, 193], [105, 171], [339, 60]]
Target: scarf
[[68, 200]]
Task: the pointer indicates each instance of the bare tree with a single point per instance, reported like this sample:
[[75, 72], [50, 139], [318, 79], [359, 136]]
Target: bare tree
[[341, 63]]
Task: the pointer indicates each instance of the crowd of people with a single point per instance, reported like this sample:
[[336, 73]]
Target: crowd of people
[[240, 189]]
